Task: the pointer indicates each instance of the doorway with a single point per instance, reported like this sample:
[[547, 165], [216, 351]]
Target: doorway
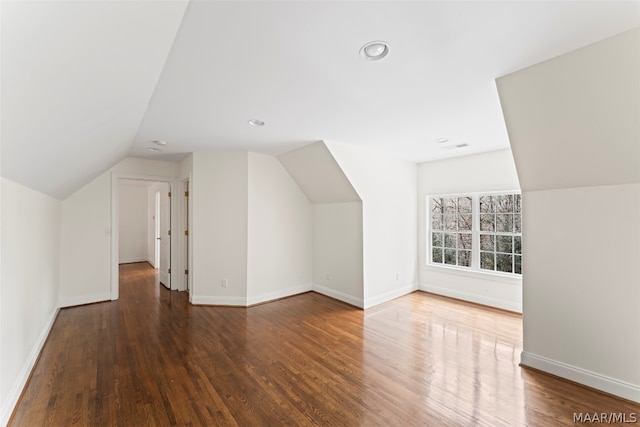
[[174, 219], [144, 226]]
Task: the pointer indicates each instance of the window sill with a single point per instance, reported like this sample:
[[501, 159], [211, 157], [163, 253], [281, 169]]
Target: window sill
[[492, 276]]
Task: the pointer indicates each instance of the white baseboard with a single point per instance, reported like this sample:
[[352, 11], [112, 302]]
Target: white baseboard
[[132, 260], [281, 293], [582, 376], [388, 296], [349, 299], [16, 390], [212, 300], [83, 299], [478, 299], [253, 300]]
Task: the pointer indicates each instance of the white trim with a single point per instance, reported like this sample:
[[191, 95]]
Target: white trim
[[20, 383], [83, 299], [475, 298], [132, 260], [249, 301], [207, 300], [281, 293], [493, 276], [388, 296], [349, 299], [582, 376], [115, 239]]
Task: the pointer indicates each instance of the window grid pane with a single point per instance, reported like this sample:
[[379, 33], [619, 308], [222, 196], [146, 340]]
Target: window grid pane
[[499, 231], [452, 231]]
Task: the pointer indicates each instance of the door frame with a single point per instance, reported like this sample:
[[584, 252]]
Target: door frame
[[177, 262]]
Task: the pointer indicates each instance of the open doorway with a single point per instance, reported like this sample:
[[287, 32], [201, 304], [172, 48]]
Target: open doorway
[[144, 225], [174, 219]]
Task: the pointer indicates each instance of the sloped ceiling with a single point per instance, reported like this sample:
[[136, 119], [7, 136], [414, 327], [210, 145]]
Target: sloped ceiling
[[86, 83], [318, 175], [76, 80], [577, 117]]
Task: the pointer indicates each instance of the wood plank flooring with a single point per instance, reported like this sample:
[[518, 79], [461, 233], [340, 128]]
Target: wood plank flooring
[[150, 358]]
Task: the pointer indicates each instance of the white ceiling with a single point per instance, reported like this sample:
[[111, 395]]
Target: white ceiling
[[86, 83]]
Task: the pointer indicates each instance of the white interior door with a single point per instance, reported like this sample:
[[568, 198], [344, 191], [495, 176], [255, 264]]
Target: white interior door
[[156, 230], [165, 237], [186, 234]]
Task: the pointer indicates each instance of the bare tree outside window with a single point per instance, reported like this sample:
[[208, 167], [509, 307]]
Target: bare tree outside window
[[451, 235], [487, 225]]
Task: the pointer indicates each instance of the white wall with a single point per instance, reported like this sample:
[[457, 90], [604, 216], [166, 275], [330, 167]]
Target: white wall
[[87, 241], [576, 116], [279, 253], [146, 168], [388, 189], [487, 172], [185, 167], [573, 125], [337, 251], [85, 247], [30, 238], [582, 285], [218, 197], [133, 221], [337, 222]]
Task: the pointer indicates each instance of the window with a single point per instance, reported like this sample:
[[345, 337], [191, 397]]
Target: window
[[477, 231]]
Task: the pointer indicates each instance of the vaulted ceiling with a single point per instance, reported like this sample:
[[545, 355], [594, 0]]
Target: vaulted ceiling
[[87, 83]]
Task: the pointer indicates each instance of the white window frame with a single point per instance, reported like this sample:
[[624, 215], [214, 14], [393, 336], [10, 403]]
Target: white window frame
[[475, 232]]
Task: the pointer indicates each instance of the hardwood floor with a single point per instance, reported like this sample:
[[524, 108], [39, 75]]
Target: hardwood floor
[[150, 358]]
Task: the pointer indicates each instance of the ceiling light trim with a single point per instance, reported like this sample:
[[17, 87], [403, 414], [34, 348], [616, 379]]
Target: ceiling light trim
[[375, 50], [256, 122]]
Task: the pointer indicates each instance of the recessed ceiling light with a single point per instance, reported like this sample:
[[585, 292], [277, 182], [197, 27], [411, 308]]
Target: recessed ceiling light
[[155, 149], [374, 51], [159, 143], [256, 122], [455, 147], [442, 140]]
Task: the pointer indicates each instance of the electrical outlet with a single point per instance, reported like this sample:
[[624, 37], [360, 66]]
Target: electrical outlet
[[224, 283], [398, 276], [328, 277]]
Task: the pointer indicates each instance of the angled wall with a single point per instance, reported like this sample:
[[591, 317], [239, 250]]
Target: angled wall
[[85, 244], [336, 222], [573, 122], [388, 189], [315, 170]]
